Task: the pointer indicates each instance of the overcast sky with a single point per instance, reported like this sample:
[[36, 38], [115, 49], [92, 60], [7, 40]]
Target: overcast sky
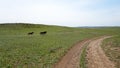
[[61, 12]]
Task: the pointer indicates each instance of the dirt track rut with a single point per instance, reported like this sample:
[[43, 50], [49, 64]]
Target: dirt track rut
[[95, 56], [71, 59]]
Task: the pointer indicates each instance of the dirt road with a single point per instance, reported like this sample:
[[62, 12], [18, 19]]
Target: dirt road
[[72, 58], [95, 56]]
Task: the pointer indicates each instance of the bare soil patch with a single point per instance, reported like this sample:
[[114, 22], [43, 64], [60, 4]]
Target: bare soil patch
[[72, 58], [96, 57]]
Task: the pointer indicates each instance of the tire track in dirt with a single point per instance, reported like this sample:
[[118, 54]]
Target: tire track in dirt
[[72, 58], [96, 57]]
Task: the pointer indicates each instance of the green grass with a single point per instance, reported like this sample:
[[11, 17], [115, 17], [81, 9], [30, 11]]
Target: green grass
[[111, 47], [19, 50], [83, 57]]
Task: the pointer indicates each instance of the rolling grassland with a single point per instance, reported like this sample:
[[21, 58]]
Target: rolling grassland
[[20, 50]]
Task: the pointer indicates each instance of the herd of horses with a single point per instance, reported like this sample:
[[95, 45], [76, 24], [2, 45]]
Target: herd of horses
[[41, 33]]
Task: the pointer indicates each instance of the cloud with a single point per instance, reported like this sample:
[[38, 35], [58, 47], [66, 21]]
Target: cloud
[[63, 12]]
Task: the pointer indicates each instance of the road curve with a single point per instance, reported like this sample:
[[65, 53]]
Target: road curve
[[96, 57], [71, 59]]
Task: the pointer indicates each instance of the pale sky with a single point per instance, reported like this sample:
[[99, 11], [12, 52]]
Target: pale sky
[[61, 12]]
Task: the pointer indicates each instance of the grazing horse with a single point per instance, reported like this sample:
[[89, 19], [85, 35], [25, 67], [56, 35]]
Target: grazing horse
[[30, 33], [43, 33]]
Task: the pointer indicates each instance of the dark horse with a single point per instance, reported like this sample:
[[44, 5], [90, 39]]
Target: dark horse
[[30, 33], [43, 33]]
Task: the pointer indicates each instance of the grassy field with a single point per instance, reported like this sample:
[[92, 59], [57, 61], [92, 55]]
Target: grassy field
[[111, 47], [19, 50]]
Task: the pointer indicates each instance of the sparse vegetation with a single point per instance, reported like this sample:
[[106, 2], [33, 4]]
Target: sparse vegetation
[[111, 47], [83, 57]]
